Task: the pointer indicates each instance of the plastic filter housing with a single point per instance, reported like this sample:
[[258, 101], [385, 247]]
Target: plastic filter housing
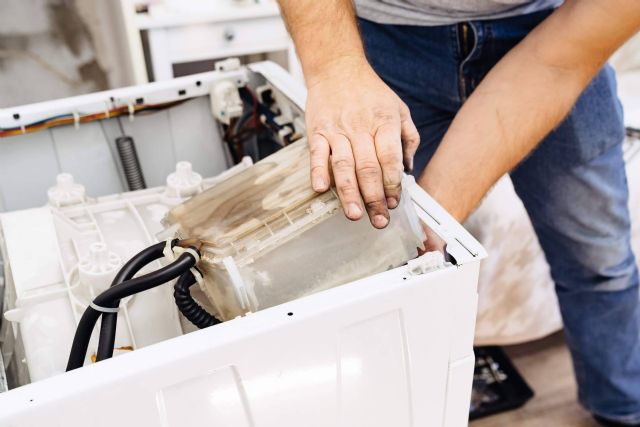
[[268, 238]]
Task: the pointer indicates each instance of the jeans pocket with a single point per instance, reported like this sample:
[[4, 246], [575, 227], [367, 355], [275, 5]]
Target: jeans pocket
[[594, 124]]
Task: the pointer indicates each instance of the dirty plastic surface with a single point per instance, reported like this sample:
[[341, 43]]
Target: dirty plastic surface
[[269, 238]]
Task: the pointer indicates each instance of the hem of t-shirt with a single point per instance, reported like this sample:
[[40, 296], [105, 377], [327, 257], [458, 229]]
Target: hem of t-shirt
[[425, 20]]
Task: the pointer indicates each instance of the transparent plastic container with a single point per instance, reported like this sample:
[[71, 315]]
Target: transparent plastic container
[[268, 238]]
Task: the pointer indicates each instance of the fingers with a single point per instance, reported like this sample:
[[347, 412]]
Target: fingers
[[343, 165], [319, 151], [370, 178], [410, 137], [389, 153]]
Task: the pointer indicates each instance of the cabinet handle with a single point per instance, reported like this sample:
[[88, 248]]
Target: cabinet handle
[[229, 34]]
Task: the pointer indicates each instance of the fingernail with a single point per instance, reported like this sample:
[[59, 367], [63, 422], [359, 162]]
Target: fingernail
[[380, 221], [392, 203], [318, 184], [354, 211]]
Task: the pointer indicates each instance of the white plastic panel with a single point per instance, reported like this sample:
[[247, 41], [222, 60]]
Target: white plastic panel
[[30, 162], [50, 297], [27, 165], [35, 270], [329, 363], [87, 143], [459, 392], [372, 353], [196, 137], [218, 396]]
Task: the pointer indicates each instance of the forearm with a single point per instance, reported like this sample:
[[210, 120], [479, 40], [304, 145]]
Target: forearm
[[523, 98], [324, 32]]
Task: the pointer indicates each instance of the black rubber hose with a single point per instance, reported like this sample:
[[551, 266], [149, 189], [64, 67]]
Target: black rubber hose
[[130, 163], [123, 290], [188, 306], [110, 320]]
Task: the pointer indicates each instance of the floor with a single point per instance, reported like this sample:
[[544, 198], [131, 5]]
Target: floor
[[546, 366]]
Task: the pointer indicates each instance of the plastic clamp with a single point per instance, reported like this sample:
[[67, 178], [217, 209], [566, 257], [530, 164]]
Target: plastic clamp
[[104, 309], [168, 251], [171, 253], [196, 273], [131, 109]]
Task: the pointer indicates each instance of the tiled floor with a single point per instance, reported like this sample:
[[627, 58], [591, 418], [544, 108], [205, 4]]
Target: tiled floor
[[546, 366]]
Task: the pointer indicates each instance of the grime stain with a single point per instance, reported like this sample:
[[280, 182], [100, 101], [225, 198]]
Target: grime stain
[[94, 358], [70, 29]]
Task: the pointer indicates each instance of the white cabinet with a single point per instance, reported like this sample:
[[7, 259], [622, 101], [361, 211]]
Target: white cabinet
[[183, 32]]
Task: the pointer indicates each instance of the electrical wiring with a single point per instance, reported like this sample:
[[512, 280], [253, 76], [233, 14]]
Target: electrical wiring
[[108, 298], [254, 122], [69, 119]]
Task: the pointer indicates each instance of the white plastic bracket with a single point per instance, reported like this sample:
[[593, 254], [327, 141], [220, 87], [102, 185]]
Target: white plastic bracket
[[76, 120], [131, 110], [425, 263], [238, 283]]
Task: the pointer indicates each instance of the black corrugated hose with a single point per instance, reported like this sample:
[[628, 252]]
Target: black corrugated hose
[[188, 306]]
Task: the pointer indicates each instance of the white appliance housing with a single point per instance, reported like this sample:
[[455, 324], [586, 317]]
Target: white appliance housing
[[393, 349]]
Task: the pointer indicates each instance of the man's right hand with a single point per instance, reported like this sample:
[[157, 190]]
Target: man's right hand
[[360, 127]]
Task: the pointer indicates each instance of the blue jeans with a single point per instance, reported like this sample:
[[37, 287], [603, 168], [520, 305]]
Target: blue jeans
[[573, 186]]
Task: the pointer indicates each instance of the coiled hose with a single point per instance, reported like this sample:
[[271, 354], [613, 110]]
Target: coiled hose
[[188, 306], [130, 163]]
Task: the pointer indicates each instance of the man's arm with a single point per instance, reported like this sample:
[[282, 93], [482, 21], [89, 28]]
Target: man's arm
[[524, 97], [354, 120]]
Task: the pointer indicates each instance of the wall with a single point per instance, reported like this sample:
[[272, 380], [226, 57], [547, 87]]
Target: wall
[[58, 48]]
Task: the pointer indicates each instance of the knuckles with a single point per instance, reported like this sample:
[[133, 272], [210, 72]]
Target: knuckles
[[391, 160], [341, 164], [368, 170]]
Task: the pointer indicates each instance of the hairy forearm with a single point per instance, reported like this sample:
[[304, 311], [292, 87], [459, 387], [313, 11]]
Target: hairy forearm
[[324, 32], [524, 97]]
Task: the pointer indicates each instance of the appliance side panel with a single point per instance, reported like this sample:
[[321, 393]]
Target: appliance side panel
[[196, 137], [459, 392], [28, 167], [374, 353], [84, 153], [465, 308]]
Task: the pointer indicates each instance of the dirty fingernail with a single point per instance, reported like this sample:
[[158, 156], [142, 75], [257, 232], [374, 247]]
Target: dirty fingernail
[[380, 221], [392, 203], [318, 184], [354, 211]]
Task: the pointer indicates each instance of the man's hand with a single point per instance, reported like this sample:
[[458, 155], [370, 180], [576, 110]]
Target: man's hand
[[354, 120], [357, 124]]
